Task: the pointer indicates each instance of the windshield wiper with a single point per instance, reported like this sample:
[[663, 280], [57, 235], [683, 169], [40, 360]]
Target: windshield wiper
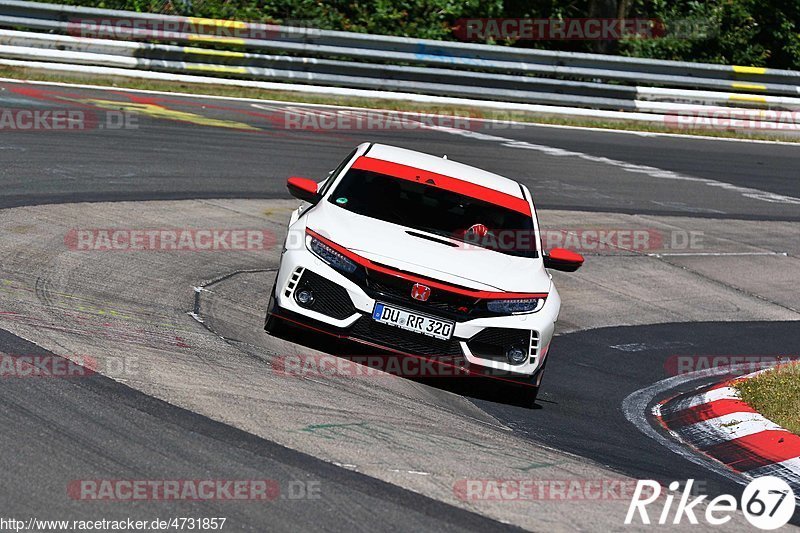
[[430, 238]]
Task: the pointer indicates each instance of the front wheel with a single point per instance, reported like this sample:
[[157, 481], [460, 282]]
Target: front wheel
[[526, 392], [525, 396], [274, 325]]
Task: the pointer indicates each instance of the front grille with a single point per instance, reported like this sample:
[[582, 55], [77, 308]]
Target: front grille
[[329, 298], [492, 343], [368, 329], [442, 303]]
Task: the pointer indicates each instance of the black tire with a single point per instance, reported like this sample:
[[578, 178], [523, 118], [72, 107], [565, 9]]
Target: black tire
[[525, 394], [274, 325]]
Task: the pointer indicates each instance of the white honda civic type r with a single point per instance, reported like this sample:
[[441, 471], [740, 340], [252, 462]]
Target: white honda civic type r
[[422, 256]]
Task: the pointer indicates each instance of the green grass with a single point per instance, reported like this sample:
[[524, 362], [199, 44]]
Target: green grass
[[776, 395], [394, 105]]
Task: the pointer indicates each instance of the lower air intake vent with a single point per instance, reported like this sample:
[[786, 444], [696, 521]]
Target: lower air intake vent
[[328, 298]]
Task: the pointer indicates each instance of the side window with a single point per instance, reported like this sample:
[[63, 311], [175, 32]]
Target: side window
[[333, 175]]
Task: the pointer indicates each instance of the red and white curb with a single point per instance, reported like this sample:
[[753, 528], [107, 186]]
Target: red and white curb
[[717, 423]]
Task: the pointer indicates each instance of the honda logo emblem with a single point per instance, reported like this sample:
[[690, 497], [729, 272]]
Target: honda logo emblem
[[420, 292]]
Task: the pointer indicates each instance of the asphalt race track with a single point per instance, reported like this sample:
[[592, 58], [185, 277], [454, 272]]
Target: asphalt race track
[[209, 404], [100, 426], [610, 372], [173, 159]]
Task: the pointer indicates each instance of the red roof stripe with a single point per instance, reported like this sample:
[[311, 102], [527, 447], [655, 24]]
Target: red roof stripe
[[441, 181]]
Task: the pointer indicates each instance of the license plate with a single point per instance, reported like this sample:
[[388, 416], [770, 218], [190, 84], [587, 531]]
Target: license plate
[[411, 321]]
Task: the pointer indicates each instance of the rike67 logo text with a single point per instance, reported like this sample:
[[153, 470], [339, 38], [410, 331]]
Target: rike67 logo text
[[767, 502]]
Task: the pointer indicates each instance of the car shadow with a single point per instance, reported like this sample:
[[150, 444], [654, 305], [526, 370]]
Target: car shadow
[[437, 373]]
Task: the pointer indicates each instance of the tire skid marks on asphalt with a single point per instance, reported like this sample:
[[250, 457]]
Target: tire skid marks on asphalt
[[716, 422], [37, 305]]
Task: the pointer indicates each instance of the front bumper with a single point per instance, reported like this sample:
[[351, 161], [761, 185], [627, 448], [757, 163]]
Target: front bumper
[[343, 308]]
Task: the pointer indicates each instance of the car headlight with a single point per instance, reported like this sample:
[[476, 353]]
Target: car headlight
[[526, 305], [331, 256]]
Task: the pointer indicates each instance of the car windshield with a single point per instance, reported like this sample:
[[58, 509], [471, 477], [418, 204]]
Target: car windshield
[[435, 210]]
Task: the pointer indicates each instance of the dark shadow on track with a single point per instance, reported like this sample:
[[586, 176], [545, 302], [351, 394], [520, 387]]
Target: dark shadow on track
[[440, 373], [89, 427]]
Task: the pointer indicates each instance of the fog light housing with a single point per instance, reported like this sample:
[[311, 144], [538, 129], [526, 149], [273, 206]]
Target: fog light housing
[[516, 355], [304, 297]]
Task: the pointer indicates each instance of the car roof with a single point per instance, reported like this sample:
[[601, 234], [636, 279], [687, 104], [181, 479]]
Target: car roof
[[446, 167]]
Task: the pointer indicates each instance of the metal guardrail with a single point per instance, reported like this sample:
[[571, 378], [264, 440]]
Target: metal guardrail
[[169, 58], [344, 59]]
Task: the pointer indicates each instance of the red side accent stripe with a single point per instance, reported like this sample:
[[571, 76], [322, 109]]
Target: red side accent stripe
[[366, 263], [441, 181], [757, 450], [706, 411]]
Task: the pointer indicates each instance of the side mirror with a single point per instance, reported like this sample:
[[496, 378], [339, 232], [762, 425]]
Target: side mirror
[[562, 259], [303, 189]]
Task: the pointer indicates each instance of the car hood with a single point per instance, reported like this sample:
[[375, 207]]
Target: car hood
[[391, 245]]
